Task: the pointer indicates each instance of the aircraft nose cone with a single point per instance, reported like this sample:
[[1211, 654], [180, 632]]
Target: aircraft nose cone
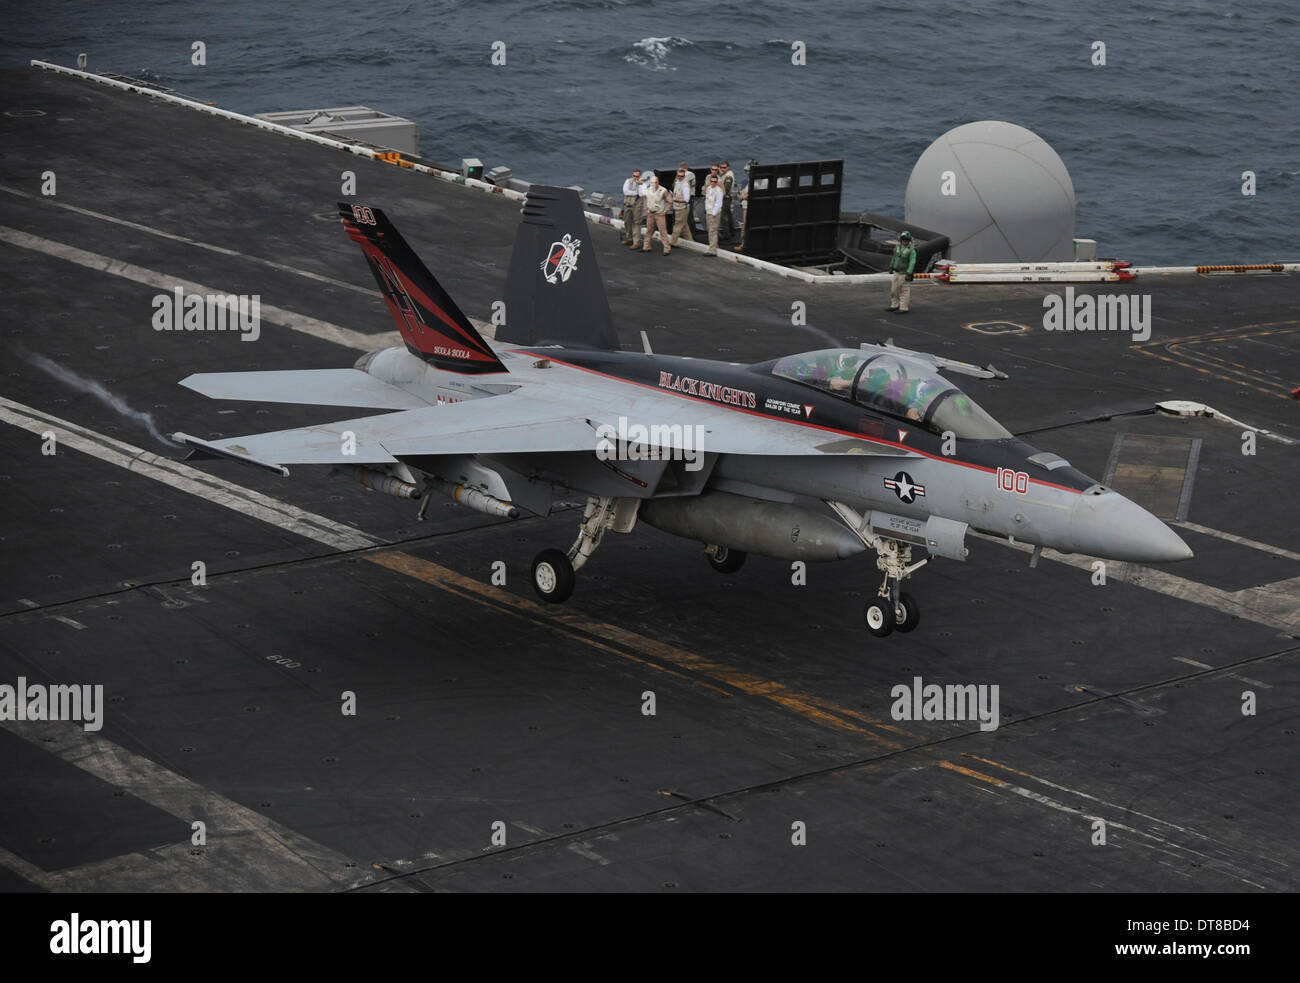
[[1110, 526]]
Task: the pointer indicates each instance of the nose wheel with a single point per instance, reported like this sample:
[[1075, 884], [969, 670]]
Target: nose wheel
[[880, 618], [884, 618], [906, 613], [892, 609]]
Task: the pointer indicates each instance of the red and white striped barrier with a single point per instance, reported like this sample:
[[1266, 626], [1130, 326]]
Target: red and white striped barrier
[[1094, 271], [1228, 269]]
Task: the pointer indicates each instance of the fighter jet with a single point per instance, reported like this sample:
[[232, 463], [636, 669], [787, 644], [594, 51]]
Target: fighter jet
[[816, 456]]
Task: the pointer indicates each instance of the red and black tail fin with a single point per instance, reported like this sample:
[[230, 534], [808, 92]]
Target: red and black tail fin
[[432, 326]]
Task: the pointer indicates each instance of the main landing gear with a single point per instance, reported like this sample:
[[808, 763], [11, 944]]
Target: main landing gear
[[892, 609], [553, 576], [555, 573]]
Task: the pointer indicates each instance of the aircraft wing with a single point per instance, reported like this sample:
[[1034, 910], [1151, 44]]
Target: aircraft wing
[[566, 415], [315, 387], [492, 425]]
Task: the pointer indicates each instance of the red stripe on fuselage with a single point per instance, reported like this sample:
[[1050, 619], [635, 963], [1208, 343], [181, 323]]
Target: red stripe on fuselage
[[789, 421]]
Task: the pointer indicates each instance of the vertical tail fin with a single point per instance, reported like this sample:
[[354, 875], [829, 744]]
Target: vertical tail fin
[[432, 326], [554, 293]]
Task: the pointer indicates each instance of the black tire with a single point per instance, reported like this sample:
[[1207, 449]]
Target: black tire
[[907, 615], [726, 560], [880, 618], [553, 576]]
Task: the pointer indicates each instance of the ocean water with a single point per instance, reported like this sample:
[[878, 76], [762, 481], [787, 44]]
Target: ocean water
[[1192, 94]]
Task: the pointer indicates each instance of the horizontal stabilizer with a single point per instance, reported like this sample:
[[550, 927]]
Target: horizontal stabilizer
[[201, 449], [309, 387]]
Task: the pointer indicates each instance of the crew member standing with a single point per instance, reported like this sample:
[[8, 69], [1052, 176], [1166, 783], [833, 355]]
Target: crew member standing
[[727, 181], [657, 200], [690, 176], [901, 265], [633, 209], [682, 190], [713, 199]]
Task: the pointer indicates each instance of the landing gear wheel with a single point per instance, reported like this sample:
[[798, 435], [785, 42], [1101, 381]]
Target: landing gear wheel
[[553, 576], [726, 560], [880, 617], [890, 608], [907, 614]]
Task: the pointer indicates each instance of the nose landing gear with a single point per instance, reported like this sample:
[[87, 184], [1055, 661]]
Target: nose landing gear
[[883, 617], [892, 609]]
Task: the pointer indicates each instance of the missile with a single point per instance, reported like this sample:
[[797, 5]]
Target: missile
[[473, 498], [380, 481]]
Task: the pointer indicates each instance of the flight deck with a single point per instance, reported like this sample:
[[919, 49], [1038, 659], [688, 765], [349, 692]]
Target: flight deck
[[353, 700]]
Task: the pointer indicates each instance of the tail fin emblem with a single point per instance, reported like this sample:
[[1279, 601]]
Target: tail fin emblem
[[561, 259], [398, 294]]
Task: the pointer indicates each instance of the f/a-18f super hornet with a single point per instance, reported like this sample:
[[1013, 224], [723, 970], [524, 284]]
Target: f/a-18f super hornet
[[814, 456]]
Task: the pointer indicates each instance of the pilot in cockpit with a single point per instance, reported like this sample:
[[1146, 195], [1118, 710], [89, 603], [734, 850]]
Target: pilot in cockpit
[[834, 371], [892, 392]]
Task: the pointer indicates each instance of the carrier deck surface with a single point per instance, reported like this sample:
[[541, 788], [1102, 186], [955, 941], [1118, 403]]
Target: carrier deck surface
[[479, 705]]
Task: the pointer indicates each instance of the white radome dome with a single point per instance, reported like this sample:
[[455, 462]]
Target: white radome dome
[[1013, 201]]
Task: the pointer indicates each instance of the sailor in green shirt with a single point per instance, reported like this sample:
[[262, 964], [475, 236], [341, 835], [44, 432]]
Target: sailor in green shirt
[[901, 265]]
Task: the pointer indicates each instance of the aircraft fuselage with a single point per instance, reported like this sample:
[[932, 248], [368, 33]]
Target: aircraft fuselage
[[1002, 486]]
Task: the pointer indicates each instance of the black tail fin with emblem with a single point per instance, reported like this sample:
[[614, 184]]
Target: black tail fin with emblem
[[432, 326], [554, 294]]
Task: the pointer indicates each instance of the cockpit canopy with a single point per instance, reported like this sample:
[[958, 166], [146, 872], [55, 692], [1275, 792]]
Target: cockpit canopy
[[900, 386]]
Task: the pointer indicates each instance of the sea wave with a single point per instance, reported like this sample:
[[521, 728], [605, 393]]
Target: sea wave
[[654, 53], [1188, 98]]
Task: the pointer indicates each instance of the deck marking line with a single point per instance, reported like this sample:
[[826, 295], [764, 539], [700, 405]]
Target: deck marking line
[[1254, 544], [240, 840], [316, 328], [187, 479], [369, 291], [819, 711]]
